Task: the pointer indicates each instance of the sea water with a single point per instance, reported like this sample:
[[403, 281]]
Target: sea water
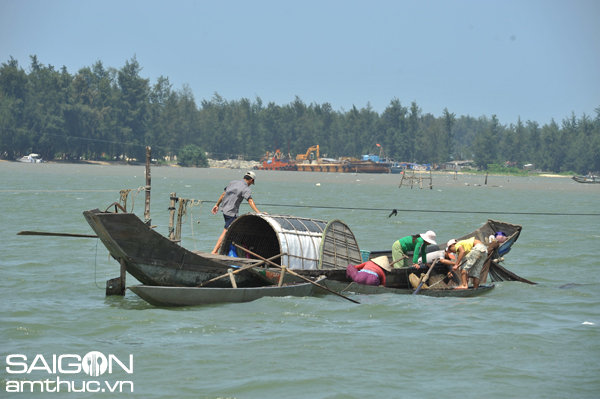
[[519, 340]]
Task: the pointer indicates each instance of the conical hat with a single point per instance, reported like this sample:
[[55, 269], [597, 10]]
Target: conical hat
[[383, 262]]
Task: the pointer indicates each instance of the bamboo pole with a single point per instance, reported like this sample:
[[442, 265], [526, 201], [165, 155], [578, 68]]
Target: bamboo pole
[[402, 179], [423, 280], [294, 273], [239, 270], [172, 216], [148, 180], [282, 275], [430, 180], [43, 233], [231, 278]]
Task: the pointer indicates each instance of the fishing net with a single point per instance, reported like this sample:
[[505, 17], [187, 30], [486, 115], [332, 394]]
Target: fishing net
[[496, 271]]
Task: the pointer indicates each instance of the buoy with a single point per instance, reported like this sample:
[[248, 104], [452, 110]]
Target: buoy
[[318, 184]]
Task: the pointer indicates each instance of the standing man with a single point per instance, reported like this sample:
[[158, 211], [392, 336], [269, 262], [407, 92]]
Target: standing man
[[231, 199], [474, 254]]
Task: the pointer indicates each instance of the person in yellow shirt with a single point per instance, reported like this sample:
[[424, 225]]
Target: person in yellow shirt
[[470, 257]]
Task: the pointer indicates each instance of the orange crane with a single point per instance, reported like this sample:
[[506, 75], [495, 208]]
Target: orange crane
[[304, 157]]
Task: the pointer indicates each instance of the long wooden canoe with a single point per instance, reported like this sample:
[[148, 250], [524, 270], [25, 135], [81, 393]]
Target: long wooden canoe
[[191, 296], [352, 287]]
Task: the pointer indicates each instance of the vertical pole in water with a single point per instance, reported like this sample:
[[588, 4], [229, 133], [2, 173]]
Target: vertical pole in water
[[402, 179], [430, 180], [116, 286], [148, 181], [122, 276], [172, 216], [486, 175]]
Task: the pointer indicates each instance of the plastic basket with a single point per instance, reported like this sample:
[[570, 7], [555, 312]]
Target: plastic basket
[[365, 255]]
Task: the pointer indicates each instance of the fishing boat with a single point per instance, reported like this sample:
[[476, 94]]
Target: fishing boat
[[153, 259], [399, 278], [590, 179], [31, 158], [192, 296], [310, 247]]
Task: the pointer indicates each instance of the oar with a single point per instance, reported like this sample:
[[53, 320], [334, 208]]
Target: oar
[[426, 277], [294, 273], [240, 270], [43, 233], [398, 260]]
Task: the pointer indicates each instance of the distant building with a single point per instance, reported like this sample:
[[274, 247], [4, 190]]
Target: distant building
[[458, 165]]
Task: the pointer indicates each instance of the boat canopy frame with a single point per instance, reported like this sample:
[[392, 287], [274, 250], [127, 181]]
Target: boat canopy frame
[[306, 243]]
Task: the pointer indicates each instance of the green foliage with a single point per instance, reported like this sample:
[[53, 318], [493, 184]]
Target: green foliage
[[496, 169], [192, 155], [110, 113]]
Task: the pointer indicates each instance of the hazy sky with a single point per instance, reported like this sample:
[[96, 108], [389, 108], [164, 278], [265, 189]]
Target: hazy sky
[[537, 59]]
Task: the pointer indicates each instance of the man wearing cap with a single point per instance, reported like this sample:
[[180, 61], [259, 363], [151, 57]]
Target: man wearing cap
[[372, 272], [471, 255], [232, 197]]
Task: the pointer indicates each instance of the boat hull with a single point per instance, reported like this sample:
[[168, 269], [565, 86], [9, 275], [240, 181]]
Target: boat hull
[[586, 180], [351, 287], [369, 167], [190, 296], [322, 167], [154, 259]]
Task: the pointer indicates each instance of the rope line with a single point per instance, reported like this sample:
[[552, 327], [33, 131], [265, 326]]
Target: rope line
[[428, 210], [424, 210], [194, 203], [95, 265]]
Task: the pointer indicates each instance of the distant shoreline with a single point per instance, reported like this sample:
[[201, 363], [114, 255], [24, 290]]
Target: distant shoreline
[[107, 163]]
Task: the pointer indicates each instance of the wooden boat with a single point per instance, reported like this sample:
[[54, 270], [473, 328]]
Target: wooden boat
[[399, 278], [310, 247], [352, 287], [152, 258], [155, 260], [586, 179], [191, 296]]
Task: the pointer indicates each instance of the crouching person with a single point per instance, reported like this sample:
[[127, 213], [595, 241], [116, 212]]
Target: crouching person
[[371, 272], [470, 257]]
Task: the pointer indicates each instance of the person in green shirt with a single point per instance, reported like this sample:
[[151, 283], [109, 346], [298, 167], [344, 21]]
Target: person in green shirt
[[417, 243]]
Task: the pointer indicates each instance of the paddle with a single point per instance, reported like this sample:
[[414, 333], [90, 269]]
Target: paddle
[[294, 273], [239, 270], [426, 277], [398, 260], [43, 233]]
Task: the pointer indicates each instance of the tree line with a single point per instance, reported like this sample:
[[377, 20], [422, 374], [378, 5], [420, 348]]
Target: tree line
[[107, 113]]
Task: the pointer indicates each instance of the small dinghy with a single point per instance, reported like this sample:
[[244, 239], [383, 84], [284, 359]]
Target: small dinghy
[[191, 296]]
